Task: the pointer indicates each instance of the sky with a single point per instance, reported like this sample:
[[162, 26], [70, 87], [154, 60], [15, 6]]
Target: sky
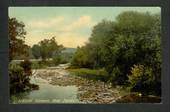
[[71, 26]]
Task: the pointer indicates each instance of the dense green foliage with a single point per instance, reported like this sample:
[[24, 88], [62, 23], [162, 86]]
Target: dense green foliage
[[51, 53], [16, 82], [18, 73], [19, 77], [36, 51], [38, 65], [17, 46], [46, 49], [128, 49], [144, 77]]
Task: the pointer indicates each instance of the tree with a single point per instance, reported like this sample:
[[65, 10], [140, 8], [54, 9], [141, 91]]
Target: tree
[[36, 51], [132, 39], [47, 48], [19, 73], [93, 54], [81, 58], [102, 34], [135, 43], [16, 36]]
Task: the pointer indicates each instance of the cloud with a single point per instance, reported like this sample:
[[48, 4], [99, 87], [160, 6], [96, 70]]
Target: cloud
[[83, 21], [70, 33], [34, 38], [68, 39], [47, 23], [72, 40]]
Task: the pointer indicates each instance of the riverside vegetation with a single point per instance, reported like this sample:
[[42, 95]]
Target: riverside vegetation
[[125, 53]]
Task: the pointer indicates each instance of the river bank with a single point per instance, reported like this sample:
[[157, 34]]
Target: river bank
[[89, 91], [59, 85]]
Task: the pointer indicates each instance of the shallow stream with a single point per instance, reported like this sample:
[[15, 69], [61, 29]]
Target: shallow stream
[[47, 93]]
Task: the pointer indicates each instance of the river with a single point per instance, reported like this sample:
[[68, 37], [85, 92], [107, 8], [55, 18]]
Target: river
[[47, 92], [56, 85]]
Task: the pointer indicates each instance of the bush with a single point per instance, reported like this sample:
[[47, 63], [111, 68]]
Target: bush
[[142, 79], [56, 60], [137, 75], [26, 65], [19, 77], [115, 77], [18, 80], [37, 65]]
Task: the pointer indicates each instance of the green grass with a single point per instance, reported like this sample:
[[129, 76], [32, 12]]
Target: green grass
[[84, 71], [37, 65], [94, 74]]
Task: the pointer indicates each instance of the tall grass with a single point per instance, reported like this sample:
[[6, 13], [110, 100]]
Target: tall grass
[[93, 74]]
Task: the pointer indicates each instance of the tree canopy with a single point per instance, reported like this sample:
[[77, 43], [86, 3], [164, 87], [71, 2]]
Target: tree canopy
[[17, 46], [46, 48], [130, 42]]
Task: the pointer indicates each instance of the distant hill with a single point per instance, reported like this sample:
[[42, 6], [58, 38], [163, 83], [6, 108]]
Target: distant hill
[[69, 50]]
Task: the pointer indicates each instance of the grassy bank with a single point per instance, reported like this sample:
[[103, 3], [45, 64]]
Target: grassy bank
[[38, 65], [97, 75], [92, 74]]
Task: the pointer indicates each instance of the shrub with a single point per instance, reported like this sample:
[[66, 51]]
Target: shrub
[[26, 65], [18, 79], [142, 79], [56, 60], [114, 78], [37, 65]]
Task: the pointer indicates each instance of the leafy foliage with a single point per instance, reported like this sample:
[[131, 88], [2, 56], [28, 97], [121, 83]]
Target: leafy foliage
[[131, 41], [26, 65], [143, 77], [20, 77], [36, 51], [17, 79], [18, 73], [16, 35], [46, 48]]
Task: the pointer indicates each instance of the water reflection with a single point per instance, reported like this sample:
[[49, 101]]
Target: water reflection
[[47, 93]]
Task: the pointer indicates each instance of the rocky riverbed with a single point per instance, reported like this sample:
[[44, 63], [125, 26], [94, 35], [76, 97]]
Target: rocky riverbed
[[89, 91]]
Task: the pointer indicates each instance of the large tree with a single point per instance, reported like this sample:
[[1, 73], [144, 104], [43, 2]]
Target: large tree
[[47, 48], [18, 73], [16, 36], [36, 51], [132, 40]]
